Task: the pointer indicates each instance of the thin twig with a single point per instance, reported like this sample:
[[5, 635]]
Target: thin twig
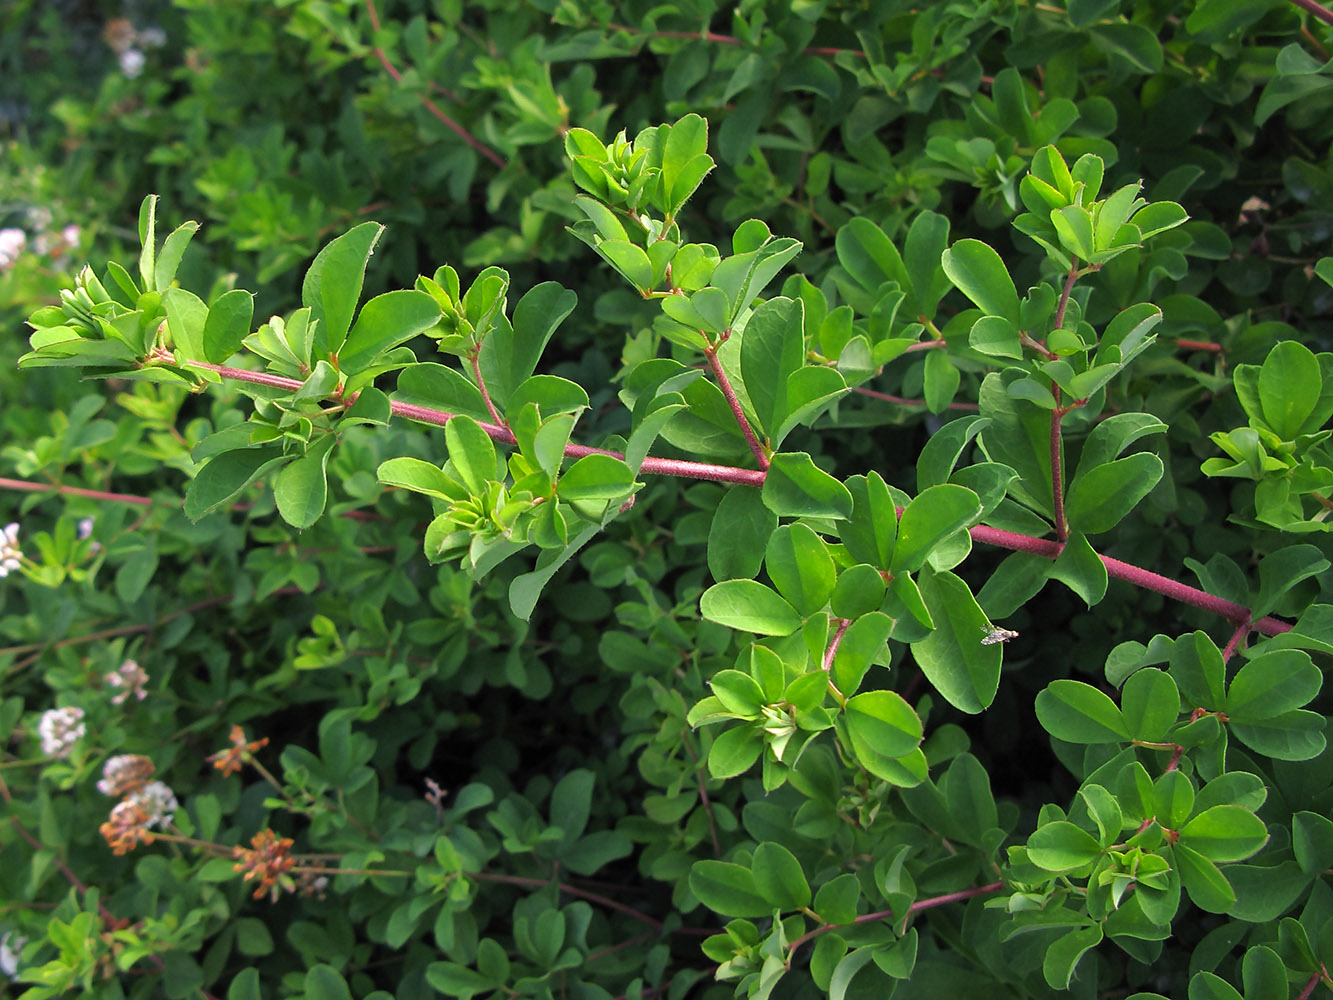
[[426, 102]]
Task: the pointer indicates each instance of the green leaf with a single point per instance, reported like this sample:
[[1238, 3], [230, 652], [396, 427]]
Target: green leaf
[[1081, 569], [735, 751], [1213, 20], [1207, 886], [728, 889], [995, 336], [779, 878], [324, 982], [859, 591], [979, 273], [1073, 225], [739, 534], [301, 488], [439, 387], [457, 980], [836, 900], [799, 564], [928, 520], [332, 285], [1207, 985], [861, 643], [420, 477], [1281, 570], [685, 160], [749, 606], [228, 325], [1150, 703], [869, 256], [1290, 383], [596, 477], [872, 531], [881, 724], [169, 259], [1079, 713], [148, 239], [772, 348], [386, 321], [1224, 833], [1062, 847], [1106, 494], [941, 381], [186, 317], [224, 477], [1063, 955], [1297, 735], [1198, 669], [471, 453], [630, 260], [961, 669], [795, 487], [1272, 684]]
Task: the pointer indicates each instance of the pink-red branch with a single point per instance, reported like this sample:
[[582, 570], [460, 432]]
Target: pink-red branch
[[75, 491], [1146, 579], [1143, 578], [1312, 7], [729, 394]]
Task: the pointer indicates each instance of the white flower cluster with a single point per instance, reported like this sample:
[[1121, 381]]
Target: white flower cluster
[[158, 801], [129, 676], [60, 729], [11, 944], [124, 772], [12, 243], [9, 549], [128, 42]]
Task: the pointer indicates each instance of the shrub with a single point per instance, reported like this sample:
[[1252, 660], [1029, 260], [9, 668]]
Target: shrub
[[653, 670]]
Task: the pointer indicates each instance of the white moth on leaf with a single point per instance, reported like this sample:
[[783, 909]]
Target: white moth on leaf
[[991, 634]]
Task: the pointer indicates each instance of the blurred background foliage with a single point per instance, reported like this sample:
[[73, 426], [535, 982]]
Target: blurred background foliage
[[279, 124]]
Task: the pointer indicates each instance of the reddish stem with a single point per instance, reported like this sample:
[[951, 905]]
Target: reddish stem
[[1143, 578], [917, 907], [724, 384], [755, 477], [426, 102], [843, 625], [76, 491], [1057, 470], [481, 384], [1310, 6], [876, 394], [712, 36], [537, 883], [927, 345], [1201, 345]]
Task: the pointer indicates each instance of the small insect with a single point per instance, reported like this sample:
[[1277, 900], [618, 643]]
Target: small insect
[[991, 634]]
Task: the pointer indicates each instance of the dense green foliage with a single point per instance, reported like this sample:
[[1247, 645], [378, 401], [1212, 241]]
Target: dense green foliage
[[709, 543]]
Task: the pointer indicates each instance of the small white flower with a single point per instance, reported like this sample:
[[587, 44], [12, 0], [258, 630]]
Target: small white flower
[[152, 37], [60, 729], [85, 528], [70, 234], [131, 63], [130, 676], [10, 946], [9, 549], [12, 242], [39, 217], [158, 801], [124, 772]]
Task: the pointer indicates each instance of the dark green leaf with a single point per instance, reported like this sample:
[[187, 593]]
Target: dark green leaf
[[779, 878], [228, 324], [796, 487], [749, 606]]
